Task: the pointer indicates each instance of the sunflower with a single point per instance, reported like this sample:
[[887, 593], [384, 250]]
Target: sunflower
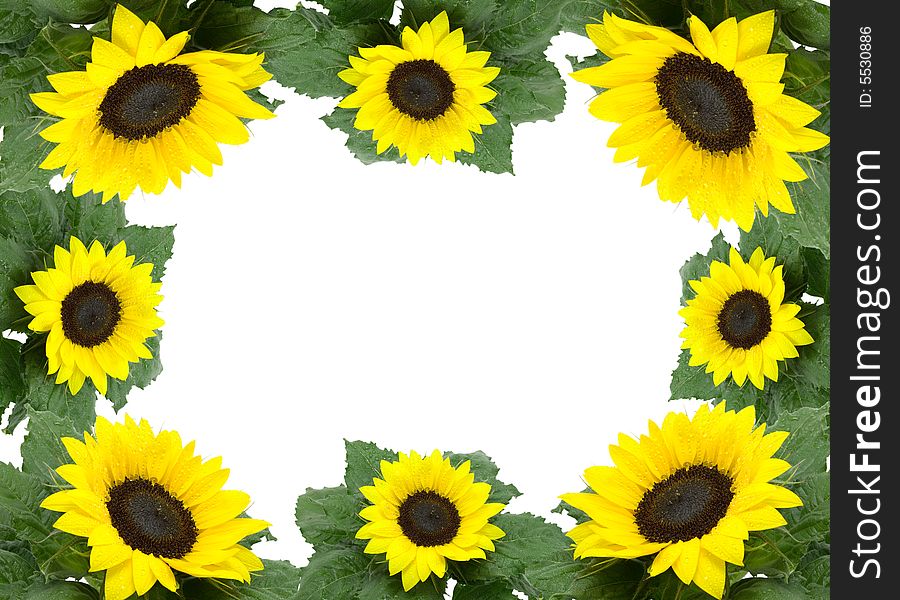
[[425, 98], [98, 308], [689, 492], [739, 324], [142, 113], [708, 120], [424, 511], [148, 505]]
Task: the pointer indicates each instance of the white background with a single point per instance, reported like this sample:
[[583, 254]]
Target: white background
[[312, 298]]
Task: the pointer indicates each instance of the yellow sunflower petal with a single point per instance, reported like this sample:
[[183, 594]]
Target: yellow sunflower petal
[[755, 34], [710, 575]]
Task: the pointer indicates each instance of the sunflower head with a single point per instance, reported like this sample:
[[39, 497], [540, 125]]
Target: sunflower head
[[142, 113], [149, 506], [425, 511], [738, 323], [424, 97], [98, 309], [688, 492], [708, 119]]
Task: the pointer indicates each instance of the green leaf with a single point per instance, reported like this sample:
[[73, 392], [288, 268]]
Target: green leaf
[[61, 590], [329, 516], [534, 556], [15, 569], [350, 11], [810, 25], [359, 142], [149, 245], [495, 590], [612, 579], [16, 22], [42, 449], [334, 573], [42, 393], [779, 552], [20, 512], [810, 523], [807, 447], [71, 11], [815, 572], [767, 589], [88, 219], [529, 91], [279, 580], [767, 234], [810, 226], [12, 384], [20, 76], [580, 13], [807, 77], [21, 151], [140, 375], [59, 554], [15, 266], [698, 265], [32, 217], [817, 269], [61, 47], [523, 27], [493, 148], [57, 48], [811, 370], [485, 470], [363, 463]]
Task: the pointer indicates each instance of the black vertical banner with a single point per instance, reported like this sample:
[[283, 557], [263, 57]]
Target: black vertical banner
[[865, 372]]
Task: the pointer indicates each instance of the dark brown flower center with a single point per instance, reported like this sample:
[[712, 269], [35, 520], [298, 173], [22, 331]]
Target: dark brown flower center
[[421, 89], [90, 313], [685, 505], [429, 519], [745, 319], [707, 102], [146, 101], [148, 518]]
